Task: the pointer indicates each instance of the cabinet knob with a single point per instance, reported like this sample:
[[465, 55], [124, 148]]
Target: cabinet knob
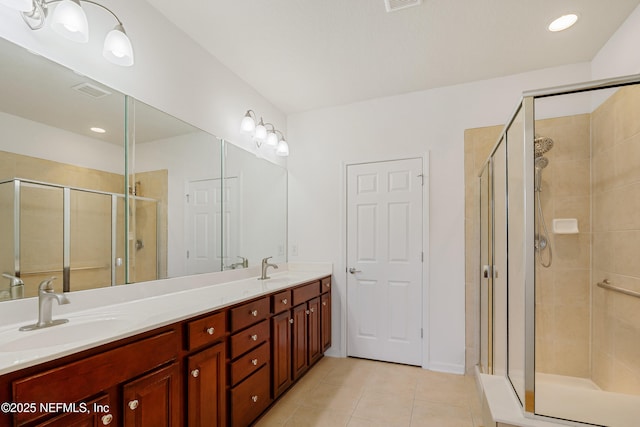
[[254, 313], [324, 303], [313, 309], [254, 337], [328, 285], [133, 404], [106, 419], [254, 398], [307, 312], [284, 301], [254, 362], [195, 373], [211, 330], [291, 321]]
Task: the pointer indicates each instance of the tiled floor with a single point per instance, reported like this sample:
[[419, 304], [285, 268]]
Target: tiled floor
[[357, 393]]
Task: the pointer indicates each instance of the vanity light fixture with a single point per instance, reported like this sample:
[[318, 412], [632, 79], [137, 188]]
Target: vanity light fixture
[[563, 22], [69, 20], [262, 136]]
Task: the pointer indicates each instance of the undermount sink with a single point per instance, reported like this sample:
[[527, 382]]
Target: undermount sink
[[77, 329]]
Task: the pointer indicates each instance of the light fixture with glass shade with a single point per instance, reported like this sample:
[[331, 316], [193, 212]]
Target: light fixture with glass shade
[[70, 21], [264, 134]]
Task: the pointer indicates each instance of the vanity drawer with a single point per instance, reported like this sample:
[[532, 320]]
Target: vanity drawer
[[249, 338], [305, 293], [206, 330], [325, 285], [250, 398], [280, 302], [249, 313], [249, 363]]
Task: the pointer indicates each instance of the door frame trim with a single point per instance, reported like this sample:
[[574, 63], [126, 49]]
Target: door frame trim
[[342, 269]]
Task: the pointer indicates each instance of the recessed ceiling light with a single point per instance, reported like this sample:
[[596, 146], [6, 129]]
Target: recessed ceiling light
[[564, 22], [98, 130]]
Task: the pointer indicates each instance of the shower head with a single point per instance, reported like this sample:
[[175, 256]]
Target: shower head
[[542, 144], [541, 162]]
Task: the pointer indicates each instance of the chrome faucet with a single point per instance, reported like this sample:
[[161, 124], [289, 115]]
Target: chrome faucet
[[16, 287], [45, 301], [265, 265]]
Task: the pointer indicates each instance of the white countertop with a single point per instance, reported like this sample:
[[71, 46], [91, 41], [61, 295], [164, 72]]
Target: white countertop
[[105, 315]]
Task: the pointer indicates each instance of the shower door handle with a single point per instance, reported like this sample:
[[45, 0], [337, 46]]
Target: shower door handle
[[485, 271], [489, 271]]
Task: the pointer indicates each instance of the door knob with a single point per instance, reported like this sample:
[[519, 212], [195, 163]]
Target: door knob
[[352, 270]]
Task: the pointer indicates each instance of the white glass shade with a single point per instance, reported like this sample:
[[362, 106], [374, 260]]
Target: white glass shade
[[261, 132], [117, 47], [247, 125], [272, 139], [283, 148], [70, 21], [21, 5]]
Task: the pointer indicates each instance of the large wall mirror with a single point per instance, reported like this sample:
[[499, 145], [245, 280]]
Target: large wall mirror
[[148, 197]]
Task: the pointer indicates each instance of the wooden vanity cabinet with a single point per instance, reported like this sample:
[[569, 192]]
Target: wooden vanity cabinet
[[223, 368]]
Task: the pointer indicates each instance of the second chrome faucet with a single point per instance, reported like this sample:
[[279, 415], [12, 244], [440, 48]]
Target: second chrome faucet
[[265, 266]]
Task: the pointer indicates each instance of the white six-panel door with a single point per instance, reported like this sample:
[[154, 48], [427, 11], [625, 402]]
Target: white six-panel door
[[384, 261]]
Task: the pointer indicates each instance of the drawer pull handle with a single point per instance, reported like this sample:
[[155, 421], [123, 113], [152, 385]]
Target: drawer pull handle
[[254, 362], [324, 303], [106, 419], [133, 404], [254, 313], [254, 398], [195, 373], [291, 321], [284, 301], [254, 337], [211, 330]]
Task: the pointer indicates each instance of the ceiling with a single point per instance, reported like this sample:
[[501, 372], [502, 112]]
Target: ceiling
[[308, 54], [40, 90]]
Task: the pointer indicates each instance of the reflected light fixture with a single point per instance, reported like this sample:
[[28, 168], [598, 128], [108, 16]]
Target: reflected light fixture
[[564, 22], [262, 136], [70, 21], [97, 130]]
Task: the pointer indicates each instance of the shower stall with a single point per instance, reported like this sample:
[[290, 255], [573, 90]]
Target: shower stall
[[559, 263], [74, 234]]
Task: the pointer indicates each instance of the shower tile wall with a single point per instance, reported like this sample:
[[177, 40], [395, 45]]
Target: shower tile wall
[[616, 251], [562, 291]]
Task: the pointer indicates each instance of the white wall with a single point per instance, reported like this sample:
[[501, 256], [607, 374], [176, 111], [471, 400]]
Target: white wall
[[406, 125], [619, 56], [171, 72]]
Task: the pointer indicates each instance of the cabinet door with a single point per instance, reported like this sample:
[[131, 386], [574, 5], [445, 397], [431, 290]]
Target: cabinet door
[[281, 352], [206, 380], [98, 415], [314, 345], [153, 400], [299, 340], [325, 318]]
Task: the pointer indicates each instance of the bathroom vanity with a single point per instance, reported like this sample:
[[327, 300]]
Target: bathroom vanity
[[178, 363]]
